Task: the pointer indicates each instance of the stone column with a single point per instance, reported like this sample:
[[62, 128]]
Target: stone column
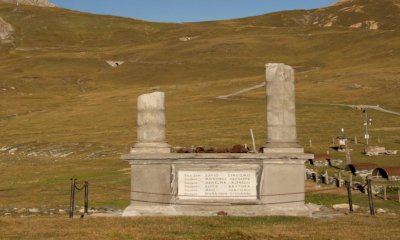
[[281, 110], [151, 133]]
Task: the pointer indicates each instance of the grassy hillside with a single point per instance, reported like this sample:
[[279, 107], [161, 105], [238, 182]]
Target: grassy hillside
[[64, 112]]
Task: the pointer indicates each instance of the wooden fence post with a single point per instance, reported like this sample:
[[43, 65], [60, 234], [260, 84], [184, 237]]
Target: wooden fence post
[[86, 198], [72, 198], [370, 199], [350, 197]]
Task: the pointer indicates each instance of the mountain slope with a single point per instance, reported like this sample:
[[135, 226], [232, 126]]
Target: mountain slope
[[38, 3], [63, 106], [369, 14], [64, 52]]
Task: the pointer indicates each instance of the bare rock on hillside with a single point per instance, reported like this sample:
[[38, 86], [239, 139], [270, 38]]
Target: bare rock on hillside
[[339, 2], [39, 3], [371, 25], [115, 63], [330, 21], [6, 30], [354, 8], [188, 38], [356, 25]]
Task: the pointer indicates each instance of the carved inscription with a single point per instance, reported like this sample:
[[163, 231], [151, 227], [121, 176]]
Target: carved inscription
[[217, 184]]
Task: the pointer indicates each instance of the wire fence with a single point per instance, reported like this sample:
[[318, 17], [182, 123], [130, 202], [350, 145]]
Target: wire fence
[[174, 198]]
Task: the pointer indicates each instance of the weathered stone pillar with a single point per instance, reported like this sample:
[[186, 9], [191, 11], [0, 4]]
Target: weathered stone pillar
[[151, 133], [281, 110]]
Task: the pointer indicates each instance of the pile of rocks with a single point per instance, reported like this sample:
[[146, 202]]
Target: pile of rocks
[[235, 149], [376, 150], [31, 212], [26, 212]]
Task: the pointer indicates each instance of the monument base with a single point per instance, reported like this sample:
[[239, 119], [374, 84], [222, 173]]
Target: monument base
[[233, 210], [177, 184]]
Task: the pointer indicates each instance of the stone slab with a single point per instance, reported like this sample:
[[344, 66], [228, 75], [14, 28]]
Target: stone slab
[[200, 157], [209, 185]]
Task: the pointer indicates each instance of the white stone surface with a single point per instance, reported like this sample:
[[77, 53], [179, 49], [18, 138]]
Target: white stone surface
[[151, 133], [206, 185], [281, 108]]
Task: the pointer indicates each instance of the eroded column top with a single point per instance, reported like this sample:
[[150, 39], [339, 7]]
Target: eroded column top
[[154, 100]]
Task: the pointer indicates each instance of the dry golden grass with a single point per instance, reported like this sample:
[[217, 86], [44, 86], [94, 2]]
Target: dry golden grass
[[347, 227], [60, 95]]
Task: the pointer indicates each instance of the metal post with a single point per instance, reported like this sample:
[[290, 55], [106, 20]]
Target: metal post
[[350, 197], [340, 179], [370, 199], [366, 122], [86, 197], [310, 143], [355, 140], [351, 180], [72, 198]]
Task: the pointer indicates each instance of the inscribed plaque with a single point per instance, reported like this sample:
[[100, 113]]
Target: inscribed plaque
[[212, 185]]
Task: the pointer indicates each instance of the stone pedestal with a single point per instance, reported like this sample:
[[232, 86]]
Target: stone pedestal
[[151, 133], [281, 110], [205, 184]]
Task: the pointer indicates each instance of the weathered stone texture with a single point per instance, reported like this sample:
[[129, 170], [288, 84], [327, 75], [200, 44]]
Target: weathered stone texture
[[281, 109], [151, 133]]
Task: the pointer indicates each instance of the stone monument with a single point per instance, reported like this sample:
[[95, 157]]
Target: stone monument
[[268, 183], [151, 136], [281, 110]]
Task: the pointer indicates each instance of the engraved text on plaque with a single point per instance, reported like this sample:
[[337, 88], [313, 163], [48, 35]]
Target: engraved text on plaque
[[217, 185]]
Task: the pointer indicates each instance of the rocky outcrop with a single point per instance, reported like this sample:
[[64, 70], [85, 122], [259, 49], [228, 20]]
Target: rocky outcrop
[[341, 2], [6, 30], [371, 25], [375, 151], [39, 3]]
